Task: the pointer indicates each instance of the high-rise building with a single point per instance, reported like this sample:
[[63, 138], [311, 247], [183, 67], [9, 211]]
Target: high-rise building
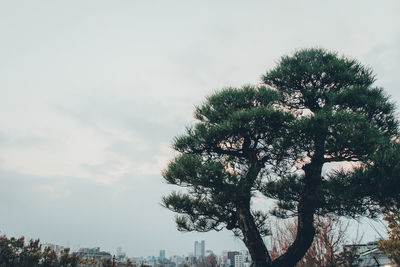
[[199, 249], [162, 254], [239, 260], [231, 257]]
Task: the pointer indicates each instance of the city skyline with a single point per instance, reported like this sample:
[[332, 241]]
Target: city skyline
[[94, 92]]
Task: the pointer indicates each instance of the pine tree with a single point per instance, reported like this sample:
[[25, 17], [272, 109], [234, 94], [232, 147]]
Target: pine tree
[[313, 108]]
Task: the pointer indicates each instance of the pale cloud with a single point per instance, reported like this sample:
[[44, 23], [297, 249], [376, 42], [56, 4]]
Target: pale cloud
[[84, 151], [67, 146], [69, 149], [159, 161], [54, 191]]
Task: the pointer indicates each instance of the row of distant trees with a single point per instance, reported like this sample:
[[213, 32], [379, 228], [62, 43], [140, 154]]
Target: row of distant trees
[[16, 252]]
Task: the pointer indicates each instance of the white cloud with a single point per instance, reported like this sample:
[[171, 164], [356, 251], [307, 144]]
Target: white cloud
[[69, 147], [158, 162]]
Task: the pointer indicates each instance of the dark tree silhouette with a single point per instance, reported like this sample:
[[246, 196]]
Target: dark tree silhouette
[[312, 109]]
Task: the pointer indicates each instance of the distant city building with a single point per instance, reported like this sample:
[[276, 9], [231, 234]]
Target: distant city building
[[177, 260], [231, 257], [239, 260], [93, 253], [150, 261], [360, 248], [209, 251], [199, 249], [190, 260], [374, 257], [369, 255], [120, 255], [246, 257], [162, 254]]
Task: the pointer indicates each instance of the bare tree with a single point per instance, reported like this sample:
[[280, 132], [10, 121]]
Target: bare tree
[[327, 244]]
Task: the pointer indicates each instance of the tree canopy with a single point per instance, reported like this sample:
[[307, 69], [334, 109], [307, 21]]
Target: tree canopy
[[15, 252], [274, 139]]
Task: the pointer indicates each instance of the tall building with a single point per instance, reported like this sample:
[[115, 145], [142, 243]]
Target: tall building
[[199, 249], [239, 260], [231, 257], [162, 254]]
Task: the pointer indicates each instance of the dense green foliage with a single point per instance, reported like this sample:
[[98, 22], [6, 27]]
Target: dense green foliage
[[313, 109], [14, 252], [216, 159]]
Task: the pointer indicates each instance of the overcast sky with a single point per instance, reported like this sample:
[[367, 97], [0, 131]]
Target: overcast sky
[[93, 93]]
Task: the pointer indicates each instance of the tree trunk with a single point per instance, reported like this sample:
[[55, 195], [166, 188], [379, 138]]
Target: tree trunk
[[305, 218], [252, 238], [303, 241]]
